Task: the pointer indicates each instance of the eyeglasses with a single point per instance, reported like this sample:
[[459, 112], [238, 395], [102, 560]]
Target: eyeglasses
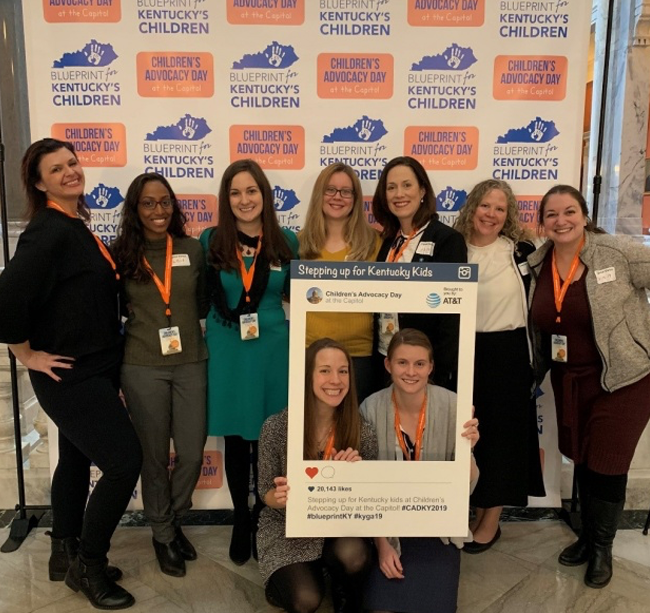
[[346, 192], [165, 203]]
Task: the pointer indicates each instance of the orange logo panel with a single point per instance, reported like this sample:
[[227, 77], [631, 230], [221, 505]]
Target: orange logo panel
[[164, 74], [355, 75], [110, 11], [288, 13], [530, 77], [443, 147], [272, 147], [96, 144], [211, 470], [446, 13], [528, 207], [200, 211]]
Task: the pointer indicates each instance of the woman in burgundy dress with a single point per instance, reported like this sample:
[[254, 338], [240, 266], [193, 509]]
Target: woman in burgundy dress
[[592, 328]]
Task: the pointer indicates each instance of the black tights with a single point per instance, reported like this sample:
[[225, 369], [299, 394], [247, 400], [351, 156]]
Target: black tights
[[237, 457], [300, 587], [609, 488]]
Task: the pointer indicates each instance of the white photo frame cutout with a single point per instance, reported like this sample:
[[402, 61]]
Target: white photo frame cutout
[[379, 498]]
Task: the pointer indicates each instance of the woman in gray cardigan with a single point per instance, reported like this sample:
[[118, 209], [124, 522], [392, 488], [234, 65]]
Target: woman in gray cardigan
[[415, 421]]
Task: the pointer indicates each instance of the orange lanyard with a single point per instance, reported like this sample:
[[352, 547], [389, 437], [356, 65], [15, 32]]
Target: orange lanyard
[[394, 257], [419, 432], [165, 289], [100, 244], [328, 448], [247, 275], [560, 292]]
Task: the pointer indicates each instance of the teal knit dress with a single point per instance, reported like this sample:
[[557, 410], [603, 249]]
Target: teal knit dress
[[248, 380]]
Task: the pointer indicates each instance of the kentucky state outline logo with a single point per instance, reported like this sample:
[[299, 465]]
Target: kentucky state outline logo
[[365, 130], [284, 199], [450, 200], [453, 57], [94, 54], [274, 56], [537, 131], [104, 198], [186, 128]]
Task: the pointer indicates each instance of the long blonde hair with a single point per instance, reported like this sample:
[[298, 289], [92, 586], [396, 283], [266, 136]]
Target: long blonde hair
[[359, 236]]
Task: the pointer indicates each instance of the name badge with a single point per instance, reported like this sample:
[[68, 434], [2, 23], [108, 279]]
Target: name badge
[[170, 340], [559, 348], [606, 275], [275, 268], [524, 269], [425, 248], [388, 323], [249, 327], [180, 259]]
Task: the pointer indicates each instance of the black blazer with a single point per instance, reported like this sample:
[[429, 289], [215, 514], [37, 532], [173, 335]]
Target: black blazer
[[442, 330]]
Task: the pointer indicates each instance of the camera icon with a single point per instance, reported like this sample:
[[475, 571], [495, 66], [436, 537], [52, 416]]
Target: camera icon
[[464, 272]]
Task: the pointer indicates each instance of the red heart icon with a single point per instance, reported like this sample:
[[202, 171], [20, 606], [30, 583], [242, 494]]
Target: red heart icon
[[311, 471]]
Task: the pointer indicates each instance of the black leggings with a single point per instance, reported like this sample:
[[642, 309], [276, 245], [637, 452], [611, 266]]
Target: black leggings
[[300, 587], [93, 427]]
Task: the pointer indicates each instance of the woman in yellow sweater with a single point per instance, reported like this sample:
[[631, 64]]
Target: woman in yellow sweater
[[336, 230]]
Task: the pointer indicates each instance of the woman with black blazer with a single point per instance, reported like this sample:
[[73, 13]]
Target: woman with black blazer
[[405, 205]]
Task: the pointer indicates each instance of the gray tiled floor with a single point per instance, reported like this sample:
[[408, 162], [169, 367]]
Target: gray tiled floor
[[518, 575]]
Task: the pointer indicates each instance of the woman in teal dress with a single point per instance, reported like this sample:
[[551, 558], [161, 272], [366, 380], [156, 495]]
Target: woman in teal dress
[[246, 332]]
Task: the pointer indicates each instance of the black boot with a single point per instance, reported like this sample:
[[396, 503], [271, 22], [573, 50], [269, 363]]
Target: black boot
[[92, 580], [240, 541], [186, 548], [347, 596], [170, 559], [604, 518], [578, 552], [64, 552]]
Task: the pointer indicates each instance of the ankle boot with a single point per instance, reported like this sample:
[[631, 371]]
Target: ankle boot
[[604, 518], [240, 541], [64, 552], [578, 553], [92, 580], [345, 598]]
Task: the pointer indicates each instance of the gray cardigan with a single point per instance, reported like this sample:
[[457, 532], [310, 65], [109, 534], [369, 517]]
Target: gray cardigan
[[619, 309], [439, 437]]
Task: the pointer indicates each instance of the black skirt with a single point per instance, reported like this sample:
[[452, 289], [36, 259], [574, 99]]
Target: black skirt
[[507, 453], [431, 573]]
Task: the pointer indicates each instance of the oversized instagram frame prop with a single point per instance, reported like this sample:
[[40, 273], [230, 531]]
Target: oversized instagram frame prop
[[382, 498]]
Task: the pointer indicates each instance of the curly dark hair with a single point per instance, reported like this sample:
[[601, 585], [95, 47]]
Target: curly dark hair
[[129, 246]]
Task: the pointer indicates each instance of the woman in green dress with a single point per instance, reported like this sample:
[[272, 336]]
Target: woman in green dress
[[246, 332]]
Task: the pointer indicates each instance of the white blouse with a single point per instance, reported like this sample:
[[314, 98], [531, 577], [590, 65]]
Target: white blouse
[[500, 303]]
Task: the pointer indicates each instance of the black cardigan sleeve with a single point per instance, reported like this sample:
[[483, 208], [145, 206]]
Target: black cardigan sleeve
[[28, 280]]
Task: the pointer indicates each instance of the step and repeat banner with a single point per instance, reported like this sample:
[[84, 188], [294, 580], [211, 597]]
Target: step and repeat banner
[[472, 88]]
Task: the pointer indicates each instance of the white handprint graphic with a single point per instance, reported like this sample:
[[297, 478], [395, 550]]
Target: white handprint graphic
[[279, 198], [188, 130], [94, 55], [538, 131], [366, 130], [449, 199], [102, 197], [276, 56], [454, 58]]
